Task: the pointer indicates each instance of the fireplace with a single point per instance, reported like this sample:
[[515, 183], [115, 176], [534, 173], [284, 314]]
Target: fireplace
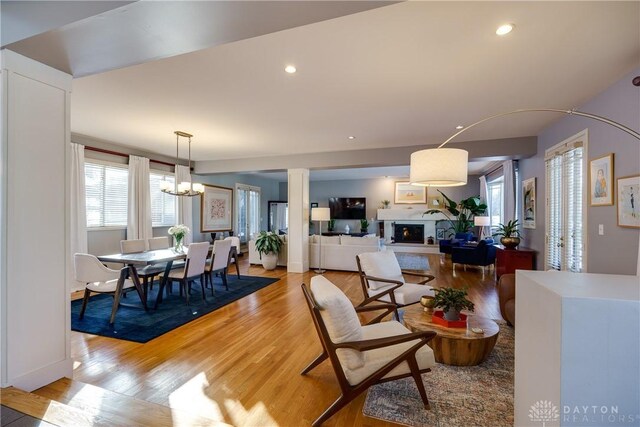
[[408, 233]]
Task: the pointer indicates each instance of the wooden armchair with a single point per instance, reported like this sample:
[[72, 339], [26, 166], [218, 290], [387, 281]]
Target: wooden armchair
[[383, 280], [362, 356]]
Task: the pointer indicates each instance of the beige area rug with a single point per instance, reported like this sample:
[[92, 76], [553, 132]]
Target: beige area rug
[[459, 395]]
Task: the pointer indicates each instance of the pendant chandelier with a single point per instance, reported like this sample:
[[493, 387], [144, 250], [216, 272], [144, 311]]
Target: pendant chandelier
[[185, 188]]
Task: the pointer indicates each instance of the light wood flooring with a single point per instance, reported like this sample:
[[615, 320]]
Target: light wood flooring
[[238, 365]]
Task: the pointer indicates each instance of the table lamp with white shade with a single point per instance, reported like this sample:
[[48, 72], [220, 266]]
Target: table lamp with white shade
[[320, 214], [482, 222]]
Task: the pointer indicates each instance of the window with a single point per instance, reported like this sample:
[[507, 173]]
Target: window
[[248, 211], [495, 191], [565, 205], [106, 194], [163, 205]]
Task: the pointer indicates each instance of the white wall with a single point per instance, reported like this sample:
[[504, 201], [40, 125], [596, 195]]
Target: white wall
[[376, 190], [35, 267]]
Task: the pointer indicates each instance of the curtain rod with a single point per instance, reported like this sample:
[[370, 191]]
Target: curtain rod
[[117, 153]]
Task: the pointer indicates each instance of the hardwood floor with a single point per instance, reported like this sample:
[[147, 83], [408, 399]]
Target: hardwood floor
[[240, 364]]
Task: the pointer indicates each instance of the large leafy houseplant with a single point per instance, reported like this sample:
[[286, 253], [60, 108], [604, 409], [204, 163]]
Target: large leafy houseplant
[[268, 242], [460, 214], [452, 301]]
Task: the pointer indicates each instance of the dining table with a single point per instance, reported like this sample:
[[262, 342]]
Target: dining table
[[142, 259], [156, 257]]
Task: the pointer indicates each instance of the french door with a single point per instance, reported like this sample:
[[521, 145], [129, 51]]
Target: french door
[[248, 211], [565, 243]]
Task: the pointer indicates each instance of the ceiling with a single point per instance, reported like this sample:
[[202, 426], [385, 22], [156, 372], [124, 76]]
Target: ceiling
[[400, 75], [475, 168]]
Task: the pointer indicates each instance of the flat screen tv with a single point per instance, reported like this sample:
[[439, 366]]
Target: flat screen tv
[[348, 207]]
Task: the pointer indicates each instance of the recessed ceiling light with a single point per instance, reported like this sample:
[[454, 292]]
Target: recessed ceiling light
[[505, 29], [351, 138], [459, 127], [290, 69]]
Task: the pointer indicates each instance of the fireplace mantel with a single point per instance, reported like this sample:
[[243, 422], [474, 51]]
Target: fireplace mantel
[[414, 214]]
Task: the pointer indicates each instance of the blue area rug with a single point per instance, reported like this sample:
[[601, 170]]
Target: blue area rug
[[135, 324], [412, 261]]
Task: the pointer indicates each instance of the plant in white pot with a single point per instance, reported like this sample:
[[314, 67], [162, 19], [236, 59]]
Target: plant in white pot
[[452, 301], [268, 245]]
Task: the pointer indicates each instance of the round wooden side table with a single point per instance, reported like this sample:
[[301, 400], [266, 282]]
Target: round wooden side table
[[455, 346]]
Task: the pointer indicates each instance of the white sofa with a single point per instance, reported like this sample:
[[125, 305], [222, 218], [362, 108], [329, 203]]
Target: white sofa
[[338, 252]]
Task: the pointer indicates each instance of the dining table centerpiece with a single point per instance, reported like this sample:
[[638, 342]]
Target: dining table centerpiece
[[178, 232]]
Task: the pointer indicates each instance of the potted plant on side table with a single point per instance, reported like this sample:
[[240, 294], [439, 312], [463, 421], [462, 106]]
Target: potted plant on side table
[[452, 301], [510, 234], [364, 225], [268, 245]]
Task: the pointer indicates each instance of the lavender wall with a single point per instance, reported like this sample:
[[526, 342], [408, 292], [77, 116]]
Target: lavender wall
[[617, 250]]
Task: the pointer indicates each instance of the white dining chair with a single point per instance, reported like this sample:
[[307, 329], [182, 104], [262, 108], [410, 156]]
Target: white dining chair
[[146, 273], [193, 269], [219, 262], [156, 243], [234, 253], [101, 280]]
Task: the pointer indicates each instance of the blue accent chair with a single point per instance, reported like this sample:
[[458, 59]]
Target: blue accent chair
[[459, 240], [482, 255]]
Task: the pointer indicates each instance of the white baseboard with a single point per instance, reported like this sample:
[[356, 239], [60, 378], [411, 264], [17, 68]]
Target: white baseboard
[[43, 376]]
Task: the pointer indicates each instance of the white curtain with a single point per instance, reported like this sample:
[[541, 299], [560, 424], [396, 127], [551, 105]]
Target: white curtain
[[78, 209], [185, 207], [483, 192], [509, 191], [139, 206]]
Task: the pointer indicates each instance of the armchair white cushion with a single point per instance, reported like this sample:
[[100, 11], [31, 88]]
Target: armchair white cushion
[[343, 325], [340, 318], [385, 265], [375, 359]]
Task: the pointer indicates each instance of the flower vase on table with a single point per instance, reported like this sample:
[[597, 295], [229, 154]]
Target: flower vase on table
[[178, 232]]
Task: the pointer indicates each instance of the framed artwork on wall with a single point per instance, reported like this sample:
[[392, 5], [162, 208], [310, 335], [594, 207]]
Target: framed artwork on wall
[[529, 203], [216, 209], [601, 181], [628, 189], [406, 193], [436, 202]]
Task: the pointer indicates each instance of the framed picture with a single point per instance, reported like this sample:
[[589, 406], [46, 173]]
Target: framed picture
[[601, 181], [314, 205], [436, 202], [440, 233], [409, 194], [529, 203], [628, 199], [216, 209]]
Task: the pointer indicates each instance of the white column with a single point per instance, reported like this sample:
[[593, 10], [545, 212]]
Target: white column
[[298, 236], [35, 265]]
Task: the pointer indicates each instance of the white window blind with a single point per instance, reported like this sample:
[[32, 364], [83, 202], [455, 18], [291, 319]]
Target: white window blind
[[163, 205], [106, 194], [248, 200], [564, 178]]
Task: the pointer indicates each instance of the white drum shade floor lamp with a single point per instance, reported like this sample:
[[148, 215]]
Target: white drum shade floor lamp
[[320, 214], [482, 222]]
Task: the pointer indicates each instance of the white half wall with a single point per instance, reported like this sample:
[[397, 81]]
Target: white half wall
[[34, 224]]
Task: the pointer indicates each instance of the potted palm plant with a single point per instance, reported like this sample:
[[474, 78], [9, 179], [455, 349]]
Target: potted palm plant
[[460, 214], [510, 234], [268, 245], [364, 225], [452, 301]]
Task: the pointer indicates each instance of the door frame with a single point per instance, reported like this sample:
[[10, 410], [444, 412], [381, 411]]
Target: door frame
[[583, 136]]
